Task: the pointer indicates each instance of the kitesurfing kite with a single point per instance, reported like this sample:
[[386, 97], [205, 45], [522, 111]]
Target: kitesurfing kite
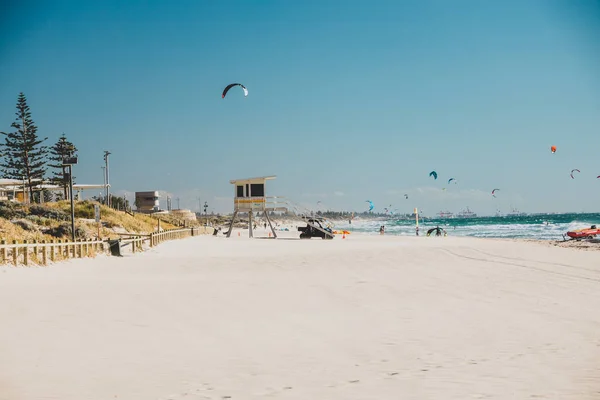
[[406, 196], [452, 179], [371, 206], [572, 177], [553, 149], [434, 174], [494, 191], [232, 85]]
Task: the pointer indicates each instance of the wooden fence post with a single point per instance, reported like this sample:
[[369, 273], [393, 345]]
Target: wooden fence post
[[44, 253], [35, 250], [25, 254], [4, 252], [15, 254], [52, 248]]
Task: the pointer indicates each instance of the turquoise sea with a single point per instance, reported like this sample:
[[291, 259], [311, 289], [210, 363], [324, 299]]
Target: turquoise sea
[[534, 226]]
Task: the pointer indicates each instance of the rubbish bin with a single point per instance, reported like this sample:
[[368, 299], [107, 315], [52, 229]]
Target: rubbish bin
[[115, 247]]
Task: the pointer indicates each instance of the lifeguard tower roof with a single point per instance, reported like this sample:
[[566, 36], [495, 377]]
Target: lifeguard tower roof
[[252, 180]]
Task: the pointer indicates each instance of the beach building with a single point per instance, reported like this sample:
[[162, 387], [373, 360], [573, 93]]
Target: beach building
[[147, 202], [18, 191]]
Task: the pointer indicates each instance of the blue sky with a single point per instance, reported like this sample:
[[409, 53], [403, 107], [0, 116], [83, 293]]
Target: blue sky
[[348, 100]]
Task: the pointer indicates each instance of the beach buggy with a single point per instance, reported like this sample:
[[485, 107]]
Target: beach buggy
[[314, 228]]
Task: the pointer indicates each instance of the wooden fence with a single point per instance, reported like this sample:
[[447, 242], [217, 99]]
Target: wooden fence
[[54, 250], [27, 253]]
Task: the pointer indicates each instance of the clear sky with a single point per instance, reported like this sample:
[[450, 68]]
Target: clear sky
[[348, 100]]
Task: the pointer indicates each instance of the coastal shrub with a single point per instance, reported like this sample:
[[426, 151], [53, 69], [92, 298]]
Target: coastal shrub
[[84, 209], [37, 210], [40, 220], [64, 230], [51, 213], [11, 210], [26, 225], [36, 219]]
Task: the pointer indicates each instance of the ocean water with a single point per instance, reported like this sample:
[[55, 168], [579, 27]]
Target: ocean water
[[538, 226]]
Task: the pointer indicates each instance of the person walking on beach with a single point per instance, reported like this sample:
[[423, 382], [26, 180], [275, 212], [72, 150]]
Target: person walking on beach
[[382, 230]]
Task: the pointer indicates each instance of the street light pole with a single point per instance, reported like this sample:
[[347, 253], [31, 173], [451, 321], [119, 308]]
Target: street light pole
[[206, 213], [106, 154], [104, 179], [72, 203]]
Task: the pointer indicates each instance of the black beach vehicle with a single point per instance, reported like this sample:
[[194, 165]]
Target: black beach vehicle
[[314, 228]]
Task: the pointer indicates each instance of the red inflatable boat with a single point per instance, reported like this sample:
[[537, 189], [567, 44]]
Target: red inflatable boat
[[588, 233]]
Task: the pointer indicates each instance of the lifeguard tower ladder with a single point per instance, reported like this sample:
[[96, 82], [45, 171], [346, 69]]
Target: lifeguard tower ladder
[[250, 196]]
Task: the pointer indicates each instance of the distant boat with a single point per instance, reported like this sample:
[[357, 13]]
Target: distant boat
[[445, 214], [515, 213], [466, 213]]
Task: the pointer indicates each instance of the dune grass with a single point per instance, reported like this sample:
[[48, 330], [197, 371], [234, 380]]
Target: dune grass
[[50, 221]]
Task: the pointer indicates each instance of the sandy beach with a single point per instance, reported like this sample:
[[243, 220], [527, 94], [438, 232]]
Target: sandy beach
[[366, 317]]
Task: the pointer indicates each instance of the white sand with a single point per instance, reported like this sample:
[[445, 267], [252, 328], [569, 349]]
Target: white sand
[[368, 317]]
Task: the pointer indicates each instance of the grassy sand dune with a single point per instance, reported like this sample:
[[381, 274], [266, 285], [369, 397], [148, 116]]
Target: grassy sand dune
[[52, 221]]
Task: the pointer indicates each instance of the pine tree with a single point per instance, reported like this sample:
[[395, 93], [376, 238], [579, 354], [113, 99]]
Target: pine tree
[[24, 154], [61, 149]]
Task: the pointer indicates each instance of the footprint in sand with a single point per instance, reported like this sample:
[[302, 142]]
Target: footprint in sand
[[193, 393]]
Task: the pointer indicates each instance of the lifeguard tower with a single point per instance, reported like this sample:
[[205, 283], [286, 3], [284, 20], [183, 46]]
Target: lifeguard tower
[[250, 196]]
